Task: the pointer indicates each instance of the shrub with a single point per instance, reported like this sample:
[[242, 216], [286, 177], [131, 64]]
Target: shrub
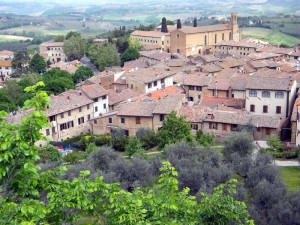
[[74, 157], [147, 137], [49, 153], [134, 146], [205, 139]]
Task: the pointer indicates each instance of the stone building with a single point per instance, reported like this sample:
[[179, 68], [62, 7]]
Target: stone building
[[53, 51]]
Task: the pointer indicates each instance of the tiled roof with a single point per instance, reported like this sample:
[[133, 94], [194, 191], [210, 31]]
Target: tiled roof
[[239, 82], [194, 113], [6, 63], [151, 47], [140, 108], [258, 64], [97, 78], [94, 90], [52, 44], [227, 73], [277, 50], [169, 103], [205, 58], [211, 68], [18, 116], [268, 83], [201, 29], [219, 84], [157, 55], [242, 43], [66, 101], [263, 55], [199, 79], [134, 64], [153, 33], [231, 63], [161, 93], [66, 66], [117, 97], [147, 75], [215, 103]]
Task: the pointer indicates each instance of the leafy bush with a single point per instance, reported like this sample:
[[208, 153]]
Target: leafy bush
[[74, 157], [134, 146], [147, 137], [205, 139], [49, 153]]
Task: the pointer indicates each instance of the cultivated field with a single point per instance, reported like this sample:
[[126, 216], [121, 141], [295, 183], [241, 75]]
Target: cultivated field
[[5, 38], [271, 36]]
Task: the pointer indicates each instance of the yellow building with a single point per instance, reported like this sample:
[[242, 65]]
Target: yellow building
[[201, 40]]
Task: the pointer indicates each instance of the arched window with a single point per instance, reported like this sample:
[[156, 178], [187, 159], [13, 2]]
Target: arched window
[[205, 40], [279, 94], [216, 38], [266, 94], [252, 93]]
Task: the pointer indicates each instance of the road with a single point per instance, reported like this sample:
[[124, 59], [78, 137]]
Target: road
[[85, 61]]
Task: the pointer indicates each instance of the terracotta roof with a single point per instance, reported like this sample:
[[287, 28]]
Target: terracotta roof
[[66, 66], [161, 93], [211, 68], [268, 83], [194, 113], [140, 108], [219, 84], [156, 34], [227, 73], [199, 79], [52, 44], [169, 103], [117, 97], [263, 55], [277, 50], [18, 116], [258, 64], [97, 78], [151, 47], [242, 43], [230, 62], [238, 82], [157, 55], [6, 53], [201, 29], [66, 101], [134, 64], [6, 63], [215, 103], [147, 75], [297, 54], [205, 58], [94, 90]]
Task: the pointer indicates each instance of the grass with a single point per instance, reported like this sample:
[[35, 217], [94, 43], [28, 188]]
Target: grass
[[271, 36], [291, 177], [9, 38]]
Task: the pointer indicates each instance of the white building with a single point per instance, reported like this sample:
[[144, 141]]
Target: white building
[[6, 69], [270, 96]]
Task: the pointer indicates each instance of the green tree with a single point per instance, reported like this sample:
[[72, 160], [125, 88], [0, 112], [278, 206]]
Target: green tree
[[174, 129], [130, 54], [134, 146], [195, 22], [205, 139], [178, 24], [105, 55], [49, 153], [82, 73], [38, 64], [274, 143], [72, 34], [164, 27], [20, 61], [59, 38], [57, 81], [74, 47]]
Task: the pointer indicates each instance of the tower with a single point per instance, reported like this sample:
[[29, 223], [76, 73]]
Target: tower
[[235, 31]]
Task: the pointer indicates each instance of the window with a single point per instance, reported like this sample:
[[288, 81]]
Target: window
[[223, 37], [205, 40], [69, 113], [62, 115], [191, 99], [199, 88], [268, 131], [162, 43], [137, 120], [191, 88], [104, 106], [47, 132], [233, 127], [104, 97], [278, 109], [155, 83], [162, 81], [279, 94], [131, 86], [224, 126], [110, 120], [88, 107], [89, 117], [194, 126], [252, 93], [265, 94], [80, 120], [79, 109], [229, 35], [52, 118], [213, 125], [265, 109], [216, 38], [178, 51], [96, 109], [95, 121], [150, 85], [161, 117], [252, 108], [122, 120], [177, 35]]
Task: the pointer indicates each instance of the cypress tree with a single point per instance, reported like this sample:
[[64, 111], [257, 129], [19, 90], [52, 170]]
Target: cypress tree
[[164, 27], [178, 24], [195, 22]]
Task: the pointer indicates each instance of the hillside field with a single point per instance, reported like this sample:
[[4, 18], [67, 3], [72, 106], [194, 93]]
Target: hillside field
[[271, 36]]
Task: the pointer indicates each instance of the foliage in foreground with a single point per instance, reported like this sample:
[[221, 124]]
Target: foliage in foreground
[[29, 196]]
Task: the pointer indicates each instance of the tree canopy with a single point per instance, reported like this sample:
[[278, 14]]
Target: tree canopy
[[82, 73], [74, 47], [20, 61], [38, 64], [130, 54]]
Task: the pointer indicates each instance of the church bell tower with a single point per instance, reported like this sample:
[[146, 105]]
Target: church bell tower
[[235, 31]]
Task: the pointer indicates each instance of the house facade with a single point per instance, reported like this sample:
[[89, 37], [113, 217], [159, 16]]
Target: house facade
[[53, 51], [6, 69]]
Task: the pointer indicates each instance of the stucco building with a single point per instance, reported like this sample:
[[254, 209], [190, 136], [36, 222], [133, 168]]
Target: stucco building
[[53, 51]]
